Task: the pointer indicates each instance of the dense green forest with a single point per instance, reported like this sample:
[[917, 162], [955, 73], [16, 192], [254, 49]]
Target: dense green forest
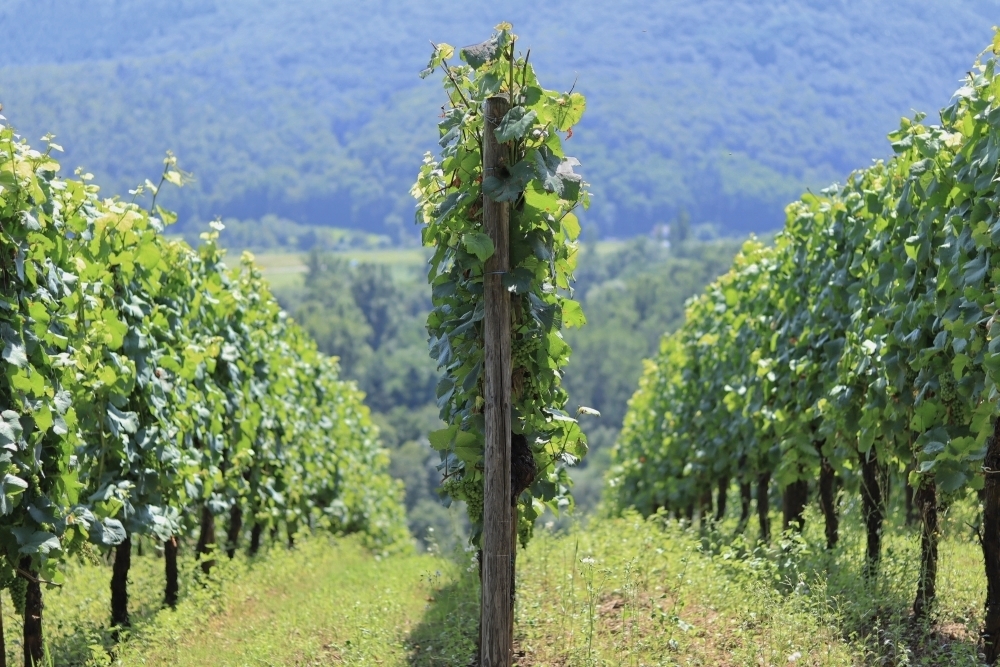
[[314, 112]]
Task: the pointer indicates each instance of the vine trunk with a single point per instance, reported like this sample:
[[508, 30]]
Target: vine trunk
[[828, 499], [170, 566], [764, 506], [235, 527], [206, 539], [34, 651], [926, 499], [119, 583], [873, 510], [794, 501]]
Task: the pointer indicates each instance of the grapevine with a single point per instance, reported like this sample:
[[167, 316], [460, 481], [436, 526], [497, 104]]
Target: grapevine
[[862, 340], [543, 190], [144, 379]]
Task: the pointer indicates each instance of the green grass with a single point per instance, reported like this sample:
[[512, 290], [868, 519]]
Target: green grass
[[617, 592], [325, 602], [635, 592]]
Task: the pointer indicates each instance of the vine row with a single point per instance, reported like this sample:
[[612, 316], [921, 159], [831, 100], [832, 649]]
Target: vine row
[[862, 346], [148, 388]]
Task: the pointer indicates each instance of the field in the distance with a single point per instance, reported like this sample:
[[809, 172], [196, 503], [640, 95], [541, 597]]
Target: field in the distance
[[287, 269]]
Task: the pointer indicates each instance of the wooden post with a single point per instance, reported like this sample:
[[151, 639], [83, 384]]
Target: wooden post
[[990, 542], [495, 609]]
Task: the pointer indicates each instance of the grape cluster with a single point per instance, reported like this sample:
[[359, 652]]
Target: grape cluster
[[468, 489], [474, 501], [18, 588], [523, 361], [949, 388], [948, 392], [525, 529], [524, 351]]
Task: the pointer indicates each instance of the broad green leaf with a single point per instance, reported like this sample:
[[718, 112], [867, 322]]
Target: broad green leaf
[[515, 124], [480, 54], [479, 244], [35, 541], [572, 313], [511, 186]]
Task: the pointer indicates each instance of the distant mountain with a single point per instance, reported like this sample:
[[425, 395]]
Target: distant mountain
[[312, 110]]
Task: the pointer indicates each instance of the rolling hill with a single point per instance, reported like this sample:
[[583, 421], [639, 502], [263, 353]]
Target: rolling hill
[[313, 111]]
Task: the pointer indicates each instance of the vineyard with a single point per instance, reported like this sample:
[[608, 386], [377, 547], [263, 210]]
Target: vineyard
[[858, 353], [149, 390], [174, 438]]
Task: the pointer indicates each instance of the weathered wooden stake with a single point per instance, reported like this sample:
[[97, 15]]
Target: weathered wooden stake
[[991, 546], [3, 642], [495, 609]]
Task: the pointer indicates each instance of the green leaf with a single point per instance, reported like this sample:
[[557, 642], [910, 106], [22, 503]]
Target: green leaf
[[441, 439], [510, 187], [569, 110], [556, 174], [10, 430], [116, 328], [571, 226], [479, 244], [515, 124], [950, 480], [468, 448], [519, 280], [12, 487], [13, 349], [478, 55], [108, 532], [572, 313], [35, 541]]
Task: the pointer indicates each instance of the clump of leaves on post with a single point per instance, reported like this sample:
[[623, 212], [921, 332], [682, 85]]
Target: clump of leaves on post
[[543, 190]]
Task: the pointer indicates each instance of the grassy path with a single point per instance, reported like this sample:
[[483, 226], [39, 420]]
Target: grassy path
[[325, 603], [622, 592]]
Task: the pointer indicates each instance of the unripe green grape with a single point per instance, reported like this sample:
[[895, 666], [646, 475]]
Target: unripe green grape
[[18, 593], [472, 489], [949, 388]]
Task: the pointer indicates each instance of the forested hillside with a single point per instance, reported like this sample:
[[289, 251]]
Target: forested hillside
[[314, 112]]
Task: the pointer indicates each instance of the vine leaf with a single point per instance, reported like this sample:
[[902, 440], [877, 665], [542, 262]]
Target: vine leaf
[[511, 187], [13, 349], [478, 244], [478, 55], [518, 280], [515, 124], [572, 313], [108, 532], [35, 541], [557, 175]]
